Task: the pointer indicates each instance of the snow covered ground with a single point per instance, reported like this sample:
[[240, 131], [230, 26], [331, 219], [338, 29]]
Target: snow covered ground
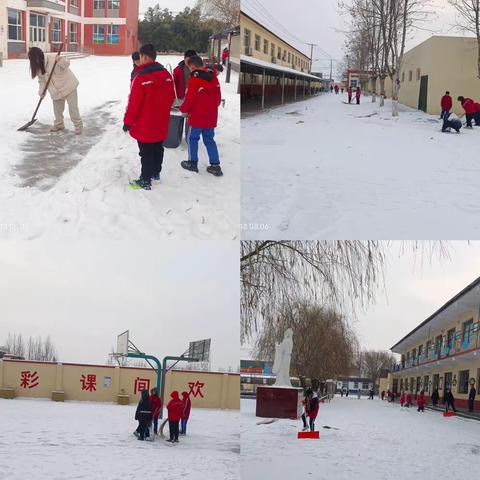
[[81, 440], [62, 186], [374, 440], [325, 169]]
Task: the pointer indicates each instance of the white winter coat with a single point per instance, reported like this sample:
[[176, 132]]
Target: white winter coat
[[63, 82]]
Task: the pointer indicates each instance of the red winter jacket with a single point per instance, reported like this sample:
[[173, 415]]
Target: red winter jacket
[[477, 108], [402, 399], [350, 92], [179, 79], [156, 405], [409, 398], [358, 93], [174, 407], [225, 54], [313, 407], [149, 104], [446, 102], [186, 406], [202, 99], [468, 105], [421, 400]]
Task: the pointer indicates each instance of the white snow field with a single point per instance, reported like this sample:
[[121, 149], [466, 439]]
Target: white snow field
[[62, 186], [375, 440], [94, 441], [325, 169]]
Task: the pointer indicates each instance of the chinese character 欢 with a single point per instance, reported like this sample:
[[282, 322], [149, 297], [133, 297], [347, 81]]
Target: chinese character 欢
[[196, 388], [141, 384], [89, 382], [29, 379]]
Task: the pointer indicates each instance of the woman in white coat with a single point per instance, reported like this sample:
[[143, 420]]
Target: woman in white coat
[[62, 87]]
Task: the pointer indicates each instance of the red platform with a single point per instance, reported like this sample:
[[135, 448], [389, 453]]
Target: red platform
[[279, 402], [315, 435]]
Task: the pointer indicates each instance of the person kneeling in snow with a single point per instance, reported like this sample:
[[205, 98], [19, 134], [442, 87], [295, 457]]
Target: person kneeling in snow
[[201, 105], [449, 123], [143, 415], [186, 407], [147, 117], [174, 408]]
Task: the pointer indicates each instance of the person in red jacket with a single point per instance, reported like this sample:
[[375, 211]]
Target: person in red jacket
[[421, 402], [402, 399], [408, 400], [358, 94], [181, 74], [350, 94], [469, 106], [313, 407], [446, 105], [174, 409], [201, 105], [225, 55], [156, 406], [186, 407], [476, 116], [147, 117]]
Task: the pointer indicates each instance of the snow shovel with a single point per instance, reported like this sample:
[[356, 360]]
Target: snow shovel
[[33, 120]]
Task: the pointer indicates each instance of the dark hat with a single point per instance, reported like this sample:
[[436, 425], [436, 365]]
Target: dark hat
[[135, 56]]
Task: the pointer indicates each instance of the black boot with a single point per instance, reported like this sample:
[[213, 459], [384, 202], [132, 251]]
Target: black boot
[[189, 165], [215, 170]]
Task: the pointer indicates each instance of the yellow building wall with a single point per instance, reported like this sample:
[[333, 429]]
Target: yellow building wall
[[450, 63], [247, 24], [207, 389]]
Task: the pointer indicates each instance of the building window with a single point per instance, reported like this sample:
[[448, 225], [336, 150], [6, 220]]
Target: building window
[[428, 347], [37, 28], [355, 385], [279, 53], [99, 34], [73, 31], [15, 25], [289, 57], [426, 386], [257, 43], [114, 4], [403, 77], [467, 332], [265, 47], [438, 344], [450, 337], [364, 385], [419, 73], [410, 75], [112, 36], [74, 3], [272, 50], [463, 378], [99, 4], [56, 30], [246, 38]]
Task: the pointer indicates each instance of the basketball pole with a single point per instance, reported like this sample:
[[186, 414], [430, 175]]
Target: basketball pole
[[155, 360]]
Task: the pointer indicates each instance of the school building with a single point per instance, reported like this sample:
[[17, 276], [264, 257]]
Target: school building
[[99, 27], [273, 71], [122, 385], [438, 65], [443, 351]]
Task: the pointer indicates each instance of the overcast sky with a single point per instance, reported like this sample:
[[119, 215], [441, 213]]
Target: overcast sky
[[173, 5], [319, 22], [167, 293], [413, 291]]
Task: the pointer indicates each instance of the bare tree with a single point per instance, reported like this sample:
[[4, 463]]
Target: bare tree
[[373, 362], [35, 348], [15, 345], [225, 11], [469, 20], [323, 341], [344, 274]]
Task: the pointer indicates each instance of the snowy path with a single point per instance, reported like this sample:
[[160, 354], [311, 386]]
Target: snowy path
[[91, 441], [325, 169], [58, 186], [375, 441]]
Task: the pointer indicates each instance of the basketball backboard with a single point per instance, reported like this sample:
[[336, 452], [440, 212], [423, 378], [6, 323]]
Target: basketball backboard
[[200, 350], [122, 343]]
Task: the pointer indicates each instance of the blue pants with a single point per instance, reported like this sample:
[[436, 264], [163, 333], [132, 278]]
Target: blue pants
[[444, 112], [155, 425], [208, 135], [183, 428]]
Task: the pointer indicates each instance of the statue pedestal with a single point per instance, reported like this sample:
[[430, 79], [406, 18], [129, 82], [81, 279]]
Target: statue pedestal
[[279, 402]]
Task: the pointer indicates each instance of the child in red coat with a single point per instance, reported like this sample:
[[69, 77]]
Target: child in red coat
[[446, 105], [421, 402], [402, 399], [201, 104], [409, 399], [358, 94], [156, 406], [186, 407], [174, 408]]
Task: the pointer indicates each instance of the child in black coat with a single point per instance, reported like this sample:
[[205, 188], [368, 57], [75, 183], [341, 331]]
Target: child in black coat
[[143, 415]]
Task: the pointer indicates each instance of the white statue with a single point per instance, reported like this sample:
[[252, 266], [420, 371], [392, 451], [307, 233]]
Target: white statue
[[281, 364]]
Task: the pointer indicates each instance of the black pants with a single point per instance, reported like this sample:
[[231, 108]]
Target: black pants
[[304, 420], [358, 100], [450, 404], [470, 117], [142, 428], [471, 402], [152, 159], [312, 424], [174, 430]]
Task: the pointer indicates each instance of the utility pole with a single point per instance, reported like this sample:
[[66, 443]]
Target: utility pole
[[331, 70], [311, 55]]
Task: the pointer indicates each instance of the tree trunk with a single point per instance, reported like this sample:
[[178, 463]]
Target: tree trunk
[[374, 89], [396, 89], [382, 91]]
